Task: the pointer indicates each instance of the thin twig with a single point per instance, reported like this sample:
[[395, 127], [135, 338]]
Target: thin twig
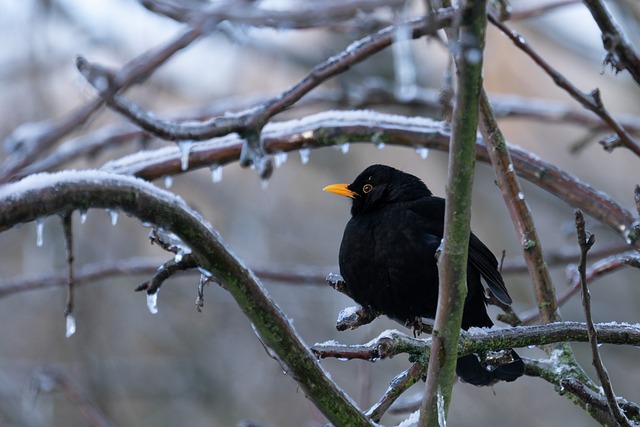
[[249, 123], [47, 134], [621, 54], [399, 384], [591, 101], [586, 241], [594, 272]]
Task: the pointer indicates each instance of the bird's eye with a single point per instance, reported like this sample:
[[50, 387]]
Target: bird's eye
[[366, 188]]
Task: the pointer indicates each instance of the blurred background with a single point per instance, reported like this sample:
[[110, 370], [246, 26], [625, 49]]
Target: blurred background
[[208, 369]]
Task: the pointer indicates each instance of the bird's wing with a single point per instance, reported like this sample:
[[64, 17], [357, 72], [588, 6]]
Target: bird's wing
[[430, 211], [483, 259]]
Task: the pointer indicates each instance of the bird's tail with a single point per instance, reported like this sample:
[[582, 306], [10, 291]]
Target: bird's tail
[[509, 368]]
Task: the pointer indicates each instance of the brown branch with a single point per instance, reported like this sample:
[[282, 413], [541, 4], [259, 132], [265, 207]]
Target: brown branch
[[597, 270], [520, 214], [591, 101], [586, 241], [249, 123], [596, 404], [330, 128], [621, 55], [47, 134]]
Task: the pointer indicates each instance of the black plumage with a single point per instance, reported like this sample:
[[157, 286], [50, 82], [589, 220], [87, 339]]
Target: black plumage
[[388, 259]]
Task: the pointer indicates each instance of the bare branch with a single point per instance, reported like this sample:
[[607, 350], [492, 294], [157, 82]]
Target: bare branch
[[597, 270], [249, 123], [621, 55], [520, 213], [398, 385], [66, 191], [591, 101], [585, 241]]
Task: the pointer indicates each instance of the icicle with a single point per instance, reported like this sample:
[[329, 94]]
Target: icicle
[[83, 216], [152, 302], [216, 172], [442, 415], [205, 272], [264, 183], [39, 232], [185, 148], [71, 324], [423, 152], [114, 216], [344, 148], [168, 181], [403, 61], [280, 158], [304, 155], [181, 252]]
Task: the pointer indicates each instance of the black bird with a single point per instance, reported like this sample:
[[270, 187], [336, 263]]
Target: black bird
[[388, 260]]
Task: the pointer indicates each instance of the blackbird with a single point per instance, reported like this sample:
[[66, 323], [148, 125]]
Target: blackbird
[[388, 260]]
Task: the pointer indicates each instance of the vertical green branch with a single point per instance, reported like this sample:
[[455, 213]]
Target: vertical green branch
[[468, 50]]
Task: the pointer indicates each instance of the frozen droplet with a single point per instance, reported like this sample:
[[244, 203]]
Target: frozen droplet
[[521, 195], [181, 252], [600, 344], [204, 272], [403, 61], [344, 148], [83, 216], [510, 168], [152, 302], [264, 183], [280, 158], [521, 40], [71, 324], [377, 139], [39, 232], [473, 56], [216, 173], [304, 155], [168, 181], [185, 148], [423, 152], [114, 216]]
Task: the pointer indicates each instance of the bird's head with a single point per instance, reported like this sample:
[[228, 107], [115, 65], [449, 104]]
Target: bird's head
[[380, 185]]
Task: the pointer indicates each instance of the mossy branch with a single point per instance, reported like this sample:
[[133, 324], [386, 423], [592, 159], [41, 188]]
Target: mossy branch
[[48, 194]]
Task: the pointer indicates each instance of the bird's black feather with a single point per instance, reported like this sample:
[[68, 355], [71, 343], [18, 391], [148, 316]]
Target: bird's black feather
[[388, 260]]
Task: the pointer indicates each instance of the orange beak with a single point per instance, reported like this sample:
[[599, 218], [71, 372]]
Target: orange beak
[[340, 189]]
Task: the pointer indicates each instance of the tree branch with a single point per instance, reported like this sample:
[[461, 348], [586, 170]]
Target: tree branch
[[66, 191], [452, 263], [591, 101], [621, 54], [585, 242], [520, 214]]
